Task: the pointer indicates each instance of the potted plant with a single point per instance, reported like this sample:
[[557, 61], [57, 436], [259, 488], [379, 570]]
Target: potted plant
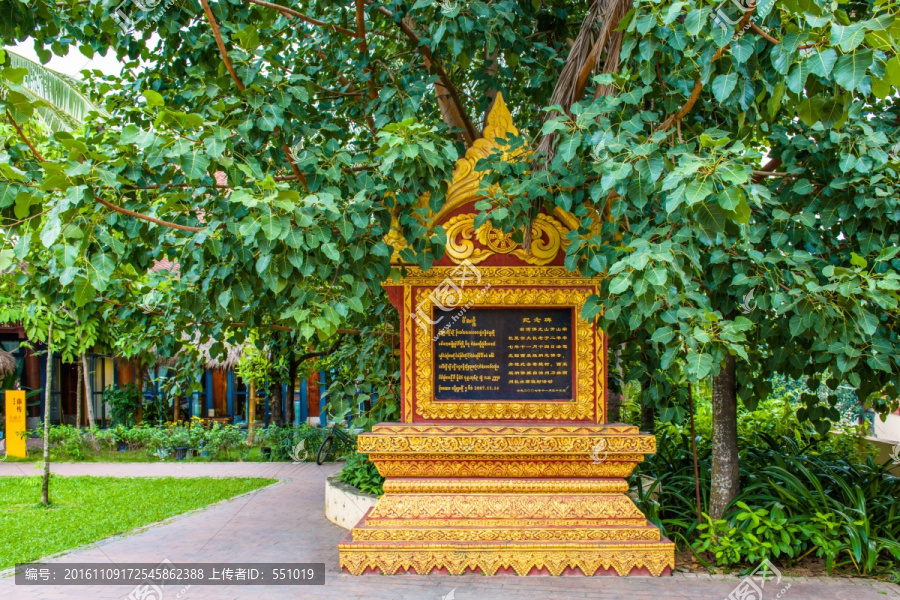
[[179, 441]]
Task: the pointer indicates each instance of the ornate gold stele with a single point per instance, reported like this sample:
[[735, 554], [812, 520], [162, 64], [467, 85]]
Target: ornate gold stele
[[525, 487]]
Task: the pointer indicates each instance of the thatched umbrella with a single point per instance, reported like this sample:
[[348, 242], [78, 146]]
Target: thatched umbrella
[[226, 363], [7, 363]]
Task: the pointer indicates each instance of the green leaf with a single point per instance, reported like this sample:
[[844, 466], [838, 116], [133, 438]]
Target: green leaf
[[271, 225], [847, 37], [850, 69], [723, 85], [698, 365], [153, 98], [697, 190], [821, 63], [194, 164]]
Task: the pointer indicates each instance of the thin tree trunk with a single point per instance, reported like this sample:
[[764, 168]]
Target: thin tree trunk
[[694, 451], [45, 486], [614, 401], [251, 412], [648, 410], [79, 395], [89, 398], [176, 408], [139, 384], [726, 483]]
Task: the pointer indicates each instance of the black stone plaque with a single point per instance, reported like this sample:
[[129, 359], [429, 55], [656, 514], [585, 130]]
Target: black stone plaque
[[504, 354]]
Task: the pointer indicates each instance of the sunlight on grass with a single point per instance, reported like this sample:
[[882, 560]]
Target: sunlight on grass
[[87, 509]]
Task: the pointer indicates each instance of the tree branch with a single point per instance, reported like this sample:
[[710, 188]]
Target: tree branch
[[463, 122], [289, 12], [364, 47], [21, 133], [147, 218], [698, 84], [221, 44]]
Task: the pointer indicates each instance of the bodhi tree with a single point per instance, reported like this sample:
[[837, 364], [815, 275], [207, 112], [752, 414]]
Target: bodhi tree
[[266, 148]]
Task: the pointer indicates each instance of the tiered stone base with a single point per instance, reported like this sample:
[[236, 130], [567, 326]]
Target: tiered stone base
[[506, 498]]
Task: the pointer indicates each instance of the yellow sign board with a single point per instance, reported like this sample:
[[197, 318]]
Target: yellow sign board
[[15, 423]]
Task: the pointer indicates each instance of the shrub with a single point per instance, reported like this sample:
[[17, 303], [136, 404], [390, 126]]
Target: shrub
[[123, 403], [361, 473]]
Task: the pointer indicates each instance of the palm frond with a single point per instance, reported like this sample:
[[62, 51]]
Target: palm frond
[[61, 104]]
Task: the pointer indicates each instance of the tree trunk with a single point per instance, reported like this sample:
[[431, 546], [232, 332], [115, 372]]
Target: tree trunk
[[176, 408], [726, 482], [291, 390], [79, 395], [614, 408], [88, 397], [275, 399], [648, 410], [45, 486], [251, 412], [614, 401], [139, 384]]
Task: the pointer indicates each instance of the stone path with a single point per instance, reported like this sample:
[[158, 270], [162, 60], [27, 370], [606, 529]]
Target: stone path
[[286, 523]]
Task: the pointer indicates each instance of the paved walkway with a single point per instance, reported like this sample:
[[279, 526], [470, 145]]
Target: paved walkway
[[286, 523]]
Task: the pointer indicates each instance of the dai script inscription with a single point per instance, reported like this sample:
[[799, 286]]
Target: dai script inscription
[[506, 354]]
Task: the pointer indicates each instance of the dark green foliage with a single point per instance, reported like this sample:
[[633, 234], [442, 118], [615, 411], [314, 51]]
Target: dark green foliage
[[361, 473], [801, 495], [124, 402]]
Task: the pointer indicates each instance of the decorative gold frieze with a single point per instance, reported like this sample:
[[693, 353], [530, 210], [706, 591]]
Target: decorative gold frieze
[[459, 467], [520, 486], [523, 276], [507, 524], [589, 558], [504, 506], [511, 429], [505, 444], [542, 534]]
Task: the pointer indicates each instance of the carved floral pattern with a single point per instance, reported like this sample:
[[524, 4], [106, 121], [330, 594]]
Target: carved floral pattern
[[654, 557]]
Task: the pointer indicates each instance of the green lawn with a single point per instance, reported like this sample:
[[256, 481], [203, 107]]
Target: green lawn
[[87, 509]]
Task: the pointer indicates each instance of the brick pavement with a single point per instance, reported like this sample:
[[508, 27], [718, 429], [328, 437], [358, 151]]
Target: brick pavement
[[286, 523]]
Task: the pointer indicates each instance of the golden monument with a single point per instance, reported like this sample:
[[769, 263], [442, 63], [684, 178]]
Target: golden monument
[[504, 462]]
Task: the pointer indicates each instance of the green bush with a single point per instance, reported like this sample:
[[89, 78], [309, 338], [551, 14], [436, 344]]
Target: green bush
[[802, 495], [361, 473], [124, 402]]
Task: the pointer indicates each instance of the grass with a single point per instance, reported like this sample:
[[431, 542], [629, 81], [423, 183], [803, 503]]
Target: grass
[[87, 509]]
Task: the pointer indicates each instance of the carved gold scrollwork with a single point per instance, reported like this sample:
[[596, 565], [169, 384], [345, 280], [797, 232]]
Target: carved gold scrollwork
[[548, 235]]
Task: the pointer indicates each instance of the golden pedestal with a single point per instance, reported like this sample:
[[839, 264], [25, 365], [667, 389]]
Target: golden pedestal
[[501, 498]]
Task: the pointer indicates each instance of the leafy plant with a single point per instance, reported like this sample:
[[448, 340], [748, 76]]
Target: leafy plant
[[361, 473], [124, 402]]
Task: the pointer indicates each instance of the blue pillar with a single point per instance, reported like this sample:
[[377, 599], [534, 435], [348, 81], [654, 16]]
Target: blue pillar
[[230, 394], [209, 392], [304, 402], [323, 400]]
